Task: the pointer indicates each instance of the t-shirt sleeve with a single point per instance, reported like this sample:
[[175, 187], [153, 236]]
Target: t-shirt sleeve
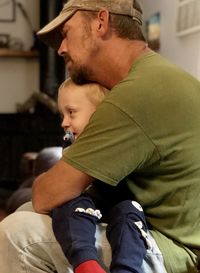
[[111, 147]]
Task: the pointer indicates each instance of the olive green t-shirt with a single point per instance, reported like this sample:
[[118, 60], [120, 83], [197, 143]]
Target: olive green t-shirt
[[147, 132]]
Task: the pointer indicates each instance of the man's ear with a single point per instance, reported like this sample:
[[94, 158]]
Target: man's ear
[[103, 22]]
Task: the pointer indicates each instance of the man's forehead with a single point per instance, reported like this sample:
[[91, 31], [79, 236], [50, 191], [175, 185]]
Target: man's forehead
[[75, 18], [64, 27]]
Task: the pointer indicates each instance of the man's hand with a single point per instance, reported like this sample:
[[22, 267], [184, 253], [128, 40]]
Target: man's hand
[[58, 185]]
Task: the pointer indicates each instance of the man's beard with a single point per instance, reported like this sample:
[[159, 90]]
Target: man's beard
[[81, 75]]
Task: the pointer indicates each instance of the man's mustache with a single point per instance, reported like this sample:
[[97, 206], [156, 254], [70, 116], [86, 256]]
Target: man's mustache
[[67, 58]]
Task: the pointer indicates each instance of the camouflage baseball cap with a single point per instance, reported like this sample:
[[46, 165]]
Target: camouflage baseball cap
[[50, 35]]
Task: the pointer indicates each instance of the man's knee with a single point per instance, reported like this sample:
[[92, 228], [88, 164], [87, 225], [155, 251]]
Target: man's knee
[[24, 227], [11, 229]]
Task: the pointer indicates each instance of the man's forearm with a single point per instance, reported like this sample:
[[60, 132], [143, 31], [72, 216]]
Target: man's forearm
[[57, 186]]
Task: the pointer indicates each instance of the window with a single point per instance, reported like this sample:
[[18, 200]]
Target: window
[[188, 17]]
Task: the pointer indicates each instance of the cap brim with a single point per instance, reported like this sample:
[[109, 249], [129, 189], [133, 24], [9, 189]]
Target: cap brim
[[49, 34]]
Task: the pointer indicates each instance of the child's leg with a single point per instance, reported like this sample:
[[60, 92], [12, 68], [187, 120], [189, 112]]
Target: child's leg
[[74, 226], [126, 233]]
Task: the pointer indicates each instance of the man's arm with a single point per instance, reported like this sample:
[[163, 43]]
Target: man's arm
[[58, 185]]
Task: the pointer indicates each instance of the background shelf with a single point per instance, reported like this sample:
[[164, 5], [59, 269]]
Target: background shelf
[[16, 53]]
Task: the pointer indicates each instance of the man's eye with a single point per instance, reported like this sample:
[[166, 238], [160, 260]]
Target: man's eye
[[65, 34]]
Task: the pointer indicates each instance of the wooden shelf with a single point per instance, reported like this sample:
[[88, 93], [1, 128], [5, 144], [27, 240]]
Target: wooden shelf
[[16, 53]]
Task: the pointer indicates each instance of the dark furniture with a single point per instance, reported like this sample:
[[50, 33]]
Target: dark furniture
[[21, 133], [44, 160]]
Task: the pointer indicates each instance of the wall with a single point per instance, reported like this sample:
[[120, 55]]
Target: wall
[[19, 77], [184, 51]]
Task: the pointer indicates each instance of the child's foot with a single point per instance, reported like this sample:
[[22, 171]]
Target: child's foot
[[90, 266]]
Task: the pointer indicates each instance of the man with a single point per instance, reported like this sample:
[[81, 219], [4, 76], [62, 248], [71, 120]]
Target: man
[[146, 132]]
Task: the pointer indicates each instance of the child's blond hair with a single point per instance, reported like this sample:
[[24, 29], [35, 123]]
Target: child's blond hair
[[95, 92]]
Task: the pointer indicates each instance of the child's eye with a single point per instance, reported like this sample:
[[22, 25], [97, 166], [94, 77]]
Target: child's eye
[[72, 111]]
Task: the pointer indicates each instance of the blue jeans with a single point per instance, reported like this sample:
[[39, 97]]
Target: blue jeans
[[28, 245]]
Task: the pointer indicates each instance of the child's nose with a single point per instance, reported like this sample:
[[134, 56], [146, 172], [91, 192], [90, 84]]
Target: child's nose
[[65, 123]]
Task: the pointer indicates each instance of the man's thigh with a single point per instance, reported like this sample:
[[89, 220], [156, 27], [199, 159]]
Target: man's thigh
[[27, 244], [154, 261]]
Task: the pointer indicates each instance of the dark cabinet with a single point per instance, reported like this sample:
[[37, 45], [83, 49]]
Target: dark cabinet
[[21, 133]]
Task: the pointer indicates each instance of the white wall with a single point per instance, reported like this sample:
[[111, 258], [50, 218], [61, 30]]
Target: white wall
[[19, 77], [184, 51]]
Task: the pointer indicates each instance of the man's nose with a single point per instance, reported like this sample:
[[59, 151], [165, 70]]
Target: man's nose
[[62, 50]]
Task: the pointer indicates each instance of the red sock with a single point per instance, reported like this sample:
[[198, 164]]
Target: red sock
[[90, 266]]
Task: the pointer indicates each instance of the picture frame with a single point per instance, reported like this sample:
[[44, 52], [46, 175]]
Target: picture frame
[[4, 40], [153, 31], [7, 11]]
